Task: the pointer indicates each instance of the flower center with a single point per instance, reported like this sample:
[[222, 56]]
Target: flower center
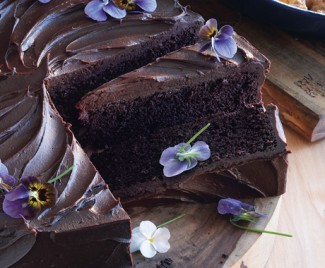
[[41, 196], [212, 33], [125, 4], [151, 240]]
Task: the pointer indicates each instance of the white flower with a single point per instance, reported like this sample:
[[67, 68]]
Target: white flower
[[149, 239]]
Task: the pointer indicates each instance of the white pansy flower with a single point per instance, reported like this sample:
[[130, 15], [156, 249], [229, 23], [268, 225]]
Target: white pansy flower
[[149, 239]]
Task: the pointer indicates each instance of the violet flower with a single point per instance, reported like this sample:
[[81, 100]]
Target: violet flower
[[44, 1], [220, 41], [146, 5], [183, 156], [7, 182], [98, 10], [29, 198], [239, 210]]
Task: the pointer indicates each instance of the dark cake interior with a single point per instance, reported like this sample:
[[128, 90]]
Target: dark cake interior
[[176, 89], [132, 167]]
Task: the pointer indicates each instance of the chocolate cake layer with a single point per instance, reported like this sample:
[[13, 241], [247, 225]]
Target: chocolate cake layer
[[176, 89], [35, 141], [248, 158], [82, 53]]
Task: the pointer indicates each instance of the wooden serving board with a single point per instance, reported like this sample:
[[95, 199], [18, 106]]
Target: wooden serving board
[[296, 82], [202, 238]]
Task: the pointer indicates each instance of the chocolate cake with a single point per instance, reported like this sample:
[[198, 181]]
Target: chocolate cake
[[176, 89], [34, 141], [54, 49], [82, 53], [132, 119]]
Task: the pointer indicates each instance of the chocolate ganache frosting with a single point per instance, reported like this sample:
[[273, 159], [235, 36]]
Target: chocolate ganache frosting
[[35, 141], [82, 53]]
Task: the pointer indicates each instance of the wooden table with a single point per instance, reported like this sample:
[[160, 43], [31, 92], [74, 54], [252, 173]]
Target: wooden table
[[302, 212]]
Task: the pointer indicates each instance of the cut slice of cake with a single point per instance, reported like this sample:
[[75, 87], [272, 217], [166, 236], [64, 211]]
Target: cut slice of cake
[[34, 141], [248, 159], [176, 89], [130, 120]]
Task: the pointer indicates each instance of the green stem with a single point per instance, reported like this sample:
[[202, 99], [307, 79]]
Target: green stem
[[258, 230], [61, 175], [194, 137], [170, 221]]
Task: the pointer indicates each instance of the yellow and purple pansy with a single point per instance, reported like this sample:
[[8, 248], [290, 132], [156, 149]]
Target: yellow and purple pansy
[[27, 197], [99, 9], [220, 41]]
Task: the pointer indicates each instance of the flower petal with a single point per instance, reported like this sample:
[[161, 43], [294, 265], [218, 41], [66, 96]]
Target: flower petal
[[205, 47], [114, 11], [18, 193], [230, 206], [3, 169], [191, 163], [226, 48], [147, 249], [202, 149], [226, 32], [205, 32], [146, 5], [147, 228], [168, 154], [212, 24], [174, 167], [18, 208], [26, 181], [44, 1], [161, 238], [94, 10], [137, 239]]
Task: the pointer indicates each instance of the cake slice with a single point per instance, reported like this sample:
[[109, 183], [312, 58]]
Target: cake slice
[[82, 53], [130, 120], [87, 227], [248, 159], [175, 89]]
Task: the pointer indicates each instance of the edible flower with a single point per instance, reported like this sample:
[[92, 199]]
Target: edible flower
[[150, 239], [98, 10], [7, 182], [242, 211], [44, 1], [221, 41], [146, 5], [29, 198], [183, 156]]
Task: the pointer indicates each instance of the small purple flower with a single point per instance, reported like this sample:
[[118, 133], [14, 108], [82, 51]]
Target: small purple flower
[[7, 182], [98, 10], [29, 198], [220, 41], [44, 1], [146, 5], [240, 210], [178, 159]]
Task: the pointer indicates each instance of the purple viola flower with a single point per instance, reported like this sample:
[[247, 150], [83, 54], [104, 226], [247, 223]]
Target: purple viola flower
[[29, 198], [178, 159], [99, 9], [44, 1], [146, 5], [240, 210], [7, 182], [220, 41]]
